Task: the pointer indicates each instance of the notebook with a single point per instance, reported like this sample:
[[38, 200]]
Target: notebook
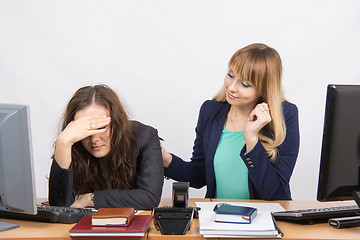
[[137, 228], [113, 216], [234, 214]]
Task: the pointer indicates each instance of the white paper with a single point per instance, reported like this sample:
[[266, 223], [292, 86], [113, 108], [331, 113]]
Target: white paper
[[241, 236], [262, 225], [262, 222], [268, 207]]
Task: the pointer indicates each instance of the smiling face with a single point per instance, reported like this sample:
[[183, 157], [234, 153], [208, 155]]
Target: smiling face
[[99, 145], [240, 93]]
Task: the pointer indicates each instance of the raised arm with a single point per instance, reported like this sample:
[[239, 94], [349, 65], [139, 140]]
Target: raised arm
[[270, 181], [76, 131], [192, 171]]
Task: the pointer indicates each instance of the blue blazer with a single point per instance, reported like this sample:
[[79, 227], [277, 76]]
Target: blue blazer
[[267, 181]]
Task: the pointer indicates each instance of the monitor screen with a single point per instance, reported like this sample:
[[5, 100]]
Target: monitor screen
[[17, 186], [340, 154]]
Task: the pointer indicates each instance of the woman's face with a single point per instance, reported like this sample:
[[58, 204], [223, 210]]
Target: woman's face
[[99, 145], [240, 93]]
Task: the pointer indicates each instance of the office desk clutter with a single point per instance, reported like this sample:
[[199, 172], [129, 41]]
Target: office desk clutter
[[175, 220], [137, 228], [316, 215], [7, 226], [234, 214], [262, 226], [51, 214], [113, 216]]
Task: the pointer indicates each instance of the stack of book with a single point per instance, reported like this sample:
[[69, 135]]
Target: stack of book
[[112, 222], [228, 213], [258, 224]]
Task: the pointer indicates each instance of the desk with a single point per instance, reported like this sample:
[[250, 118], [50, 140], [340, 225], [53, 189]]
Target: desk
[[37, 230]]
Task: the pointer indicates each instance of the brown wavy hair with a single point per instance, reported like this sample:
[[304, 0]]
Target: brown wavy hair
[[118, 164], [261, 65]]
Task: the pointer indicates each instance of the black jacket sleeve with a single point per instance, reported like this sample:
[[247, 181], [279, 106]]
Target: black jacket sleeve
[[150, 176], [61, 187]]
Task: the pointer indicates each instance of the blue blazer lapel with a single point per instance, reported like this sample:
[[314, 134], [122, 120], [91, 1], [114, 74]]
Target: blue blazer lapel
[[214, 137], [216, 130]]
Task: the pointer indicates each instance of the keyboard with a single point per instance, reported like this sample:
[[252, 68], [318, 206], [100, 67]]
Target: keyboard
[[52, 214], [317, 215]]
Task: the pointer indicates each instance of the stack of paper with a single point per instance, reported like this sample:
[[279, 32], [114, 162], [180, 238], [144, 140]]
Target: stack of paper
[[263, 225]]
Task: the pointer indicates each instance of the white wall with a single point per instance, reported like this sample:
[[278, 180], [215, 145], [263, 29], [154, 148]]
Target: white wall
[[164, 58]]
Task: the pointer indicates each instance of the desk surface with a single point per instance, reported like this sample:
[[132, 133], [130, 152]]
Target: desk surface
[[37, 230]]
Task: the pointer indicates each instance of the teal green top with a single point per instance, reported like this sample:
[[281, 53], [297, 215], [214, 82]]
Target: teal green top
[[231, 174]]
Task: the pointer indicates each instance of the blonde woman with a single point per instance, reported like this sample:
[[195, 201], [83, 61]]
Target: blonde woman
[[247, 137]]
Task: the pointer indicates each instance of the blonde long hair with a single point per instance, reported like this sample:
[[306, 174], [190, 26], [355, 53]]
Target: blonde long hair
[[261, 65]]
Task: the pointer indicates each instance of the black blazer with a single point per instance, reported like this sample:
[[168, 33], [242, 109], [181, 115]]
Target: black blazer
[[149, 178], [267, 181]]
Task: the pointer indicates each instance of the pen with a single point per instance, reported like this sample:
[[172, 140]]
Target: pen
[[161, 139], [281, 234]]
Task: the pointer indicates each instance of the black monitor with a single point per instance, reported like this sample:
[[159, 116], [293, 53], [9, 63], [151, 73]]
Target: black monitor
[[17, 185], [340, 154]]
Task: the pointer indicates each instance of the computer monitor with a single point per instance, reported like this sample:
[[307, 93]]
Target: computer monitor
[[340, 154], [17, 186]]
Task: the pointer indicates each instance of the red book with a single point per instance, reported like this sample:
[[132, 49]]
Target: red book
[[137, 228]]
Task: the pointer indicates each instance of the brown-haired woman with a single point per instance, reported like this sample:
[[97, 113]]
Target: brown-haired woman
[[247, 137], [101, 158]]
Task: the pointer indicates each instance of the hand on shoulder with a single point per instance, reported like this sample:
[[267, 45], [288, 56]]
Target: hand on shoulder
[[167, 157]]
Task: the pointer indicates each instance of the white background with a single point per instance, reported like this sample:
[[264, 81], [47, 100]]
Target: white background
[[164, 58]]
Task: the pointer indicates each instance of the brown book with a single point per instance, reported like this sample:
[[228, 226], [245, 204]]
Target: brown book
[[113, 216]]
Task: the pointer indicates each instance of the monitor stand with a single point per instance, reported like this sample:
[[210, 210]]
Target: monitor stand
[[356, 196], [6, 226]]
